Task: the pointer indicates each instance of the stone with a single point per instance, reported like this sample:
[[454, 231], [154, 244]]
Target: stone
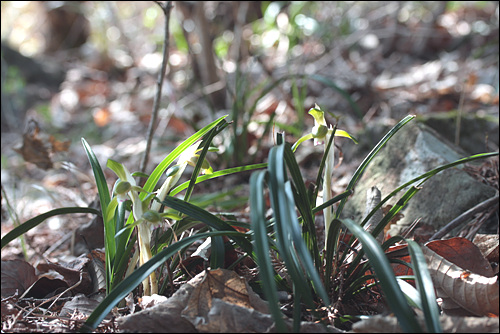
[[413, 151]]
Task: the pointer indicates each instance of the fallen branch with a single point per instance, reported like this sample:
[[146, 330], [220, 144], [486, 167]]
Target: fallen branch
[[156, 106], [465, 216]]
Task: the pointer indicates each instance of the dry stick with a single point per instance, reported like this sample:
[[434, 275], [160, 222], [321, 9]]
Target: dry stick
[[459, 115], [464, 216], [481, 220], [156, 105]]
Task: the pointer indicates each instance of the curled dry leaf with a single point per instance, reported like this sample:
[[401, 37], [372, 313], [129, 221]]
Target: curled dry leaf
[[463, 253], [463, 292], [46, 287], [80, 303], [488, 245], [77, 273], [17, 275], [35, 148], [385, 324], [224, 285]]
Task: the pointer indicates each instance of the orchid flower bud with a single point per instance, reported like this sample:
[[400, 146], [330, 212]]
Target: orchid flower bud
[[205, 165], [320, 129], [122, 187], [121, 190], [172, 170], [152, 217]]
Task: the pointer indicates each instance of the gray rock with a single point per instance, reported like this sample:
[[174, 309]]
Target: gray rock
[[413, 151]]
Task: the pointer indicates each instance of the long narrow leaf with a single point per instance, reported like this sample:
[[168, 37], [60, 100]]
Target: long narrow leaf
[[384, 272], [207, 218], [359, 171], [331, 201], [33, 222], [132, 281], [261, 239], [102, 186], [218, 173], [424, 177], [105, 199], [162, 166], [206, 144], [153, 179], [303, 205], [425, 287], [401, 203], [296, 255], [408, 195]]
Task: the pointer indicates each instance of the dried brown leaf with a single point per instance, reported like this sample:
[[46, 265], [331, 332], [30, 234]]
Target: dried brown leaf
[[462, 253], [224, 286], [59, 146], [71, 273], [385, 324], [46, 287], [33, 149], [488, 245], [463, 292], [16, 275], [80, 303]]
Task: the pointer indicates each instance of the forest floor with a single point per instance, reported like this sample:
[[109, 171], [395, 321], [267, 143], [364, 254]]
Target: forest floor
[[428, 71]]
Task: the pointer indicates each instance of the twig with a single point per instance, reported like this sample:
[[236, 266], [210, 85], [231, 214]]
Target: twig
[[166, 8], [464, 216], [481, 220]]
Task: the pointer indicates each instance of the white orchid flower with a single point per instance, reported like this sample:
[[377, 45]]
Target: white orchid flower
[[321, 133], [188, 157], [126, 187]]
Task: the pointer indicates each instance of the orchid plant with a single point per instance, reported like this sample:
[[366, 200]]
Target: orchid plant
[[324, 135], [315, 279], [146, 212], [331, 278], [146, 203]]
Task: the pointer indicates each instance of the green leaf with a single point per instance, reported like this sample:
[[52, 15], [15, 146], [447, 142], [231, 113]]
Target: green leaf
[[207, 218], [303, 205], [218, 173], [412, 294], [361, 168], [201, 158], [261, 240], [33, 222], [384, 272], [411, 192], [132, 281], [153, 179], [102, 186], [160, 169], [288, 232], [425, 288], [331, 201], [104, 196]]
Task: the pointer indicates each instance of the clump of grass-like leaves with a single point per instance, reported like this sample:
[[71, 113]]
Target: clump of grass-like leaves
[[311, 268], [129, 206], [320, 277]]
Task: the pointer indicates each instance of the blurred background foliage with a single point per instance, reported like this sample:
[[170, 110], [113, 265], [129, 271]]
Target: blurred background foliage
[[89, 69], [212, 41]]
